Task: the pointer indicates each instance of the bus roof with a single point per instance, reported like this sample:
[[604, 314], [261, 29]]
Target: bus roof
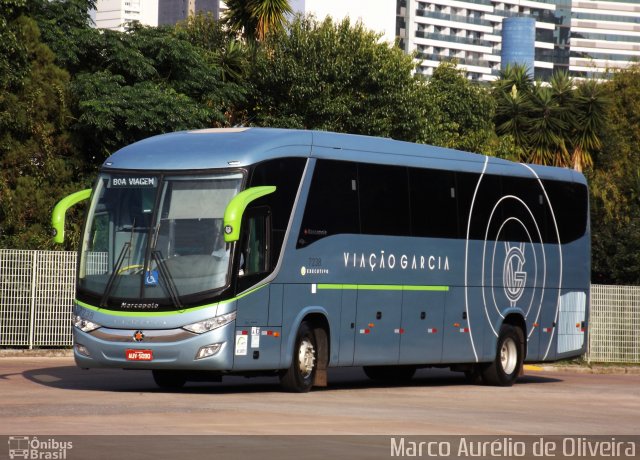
[[237, 147]]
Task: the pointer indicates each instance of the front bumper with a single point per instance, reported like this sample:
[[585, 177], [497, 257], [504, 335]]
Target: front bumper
[[171, 348]]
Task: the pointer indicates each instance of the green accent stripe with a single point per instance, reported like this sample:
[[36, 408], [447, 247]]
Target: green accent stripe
[[383, 287], [165, 313]]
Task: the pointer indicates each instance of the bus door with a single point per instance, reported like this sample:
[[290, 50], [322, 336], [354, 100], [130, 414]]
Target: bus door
[[462, 337], [256, 343], [349, 303], [421, 327], [377, 326]]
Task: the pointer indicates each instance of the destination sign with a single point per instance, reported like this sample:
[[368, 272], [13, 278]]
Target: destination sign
[[133, 181]]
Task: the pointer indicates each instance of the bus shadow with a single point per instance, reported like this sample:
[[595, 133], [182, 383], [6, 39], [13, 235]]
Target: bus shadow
[[118, 380]]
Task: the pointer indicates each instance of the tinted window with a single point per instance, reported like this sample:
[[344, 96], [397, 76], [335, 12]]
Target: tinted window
[[390, 200], [433, 203], [285, 174], [569, 202], [518, 213], [384, 200], [332, 205], [466, 184], [255, 248]]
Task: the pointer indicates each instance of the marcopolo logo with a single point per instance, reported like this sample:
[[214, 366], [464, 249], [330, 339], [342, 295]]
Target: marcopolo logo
[[33, 448]]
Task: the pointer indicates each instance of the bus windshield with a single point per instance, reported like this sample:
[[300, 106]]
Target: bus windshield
[[156, 239]]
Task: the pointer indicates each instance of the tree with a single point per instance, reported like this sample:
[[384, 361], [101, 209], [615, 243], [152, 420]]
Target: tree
[[62, 24], [62, 112], [554, 124], [13, 55], [144, 82], [591, 105], [460, 112], [615, 184], [256, 18], [205, 32], [547, 128], [38, 163], [338, 77], [512, 116]]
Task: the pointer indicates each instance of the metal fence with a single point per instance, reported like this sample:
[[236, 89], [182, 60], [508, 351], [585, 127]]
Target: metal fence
[[37, 290], [614, 332], [36, 297]]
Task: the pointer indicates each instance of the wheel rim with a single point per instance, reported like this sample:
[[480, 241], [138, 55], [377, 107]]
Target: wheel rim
[[509, 356], [306, 358]]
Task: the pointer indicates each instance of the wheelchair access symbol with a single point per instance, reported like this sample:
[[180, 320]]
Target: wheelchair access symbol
[[151, 278]]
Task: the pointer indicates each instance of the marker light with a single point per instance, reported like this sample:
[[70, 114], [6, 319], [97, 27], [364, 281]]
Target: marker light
[[84, 324], [211, 323], [209, 350]]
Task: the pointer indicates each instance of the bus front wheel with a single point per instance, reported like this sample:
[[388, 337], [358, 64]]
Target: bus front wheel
[[301, 374], [507, 363]]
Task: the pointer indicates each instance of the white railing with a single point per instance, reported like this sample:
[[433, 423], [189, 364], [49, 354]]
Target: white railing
[[37, 290], [36, 297], [614, 333]]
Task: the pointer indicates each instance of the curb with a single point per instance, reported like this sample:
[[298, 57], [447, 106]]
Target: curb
[[37, 353], [585, 369]]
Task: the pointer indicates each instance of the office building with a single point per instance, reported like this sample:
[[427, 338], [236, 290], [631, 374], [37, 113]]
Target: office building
[[119, 14], [173, 11], [604, 35], [585, 37], [377, 15]]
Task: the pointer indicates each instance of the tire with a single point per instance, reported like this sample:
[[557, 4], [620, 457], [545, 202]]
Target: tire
[[390, 374], [301, 374], [507, 365], [169, 380]]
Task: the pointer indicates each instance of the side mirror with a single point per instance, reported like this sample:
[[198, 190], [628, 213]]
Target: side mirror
[[235, 210], [60, 210]]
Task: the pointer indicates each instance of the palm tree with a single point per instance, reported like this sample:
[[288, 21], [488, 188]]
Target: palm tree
[[271, 15], [254, 19], [513, 117], [590, 112], [553, 124], [232, 59], [512, 92], [513, 74], [548, 127]]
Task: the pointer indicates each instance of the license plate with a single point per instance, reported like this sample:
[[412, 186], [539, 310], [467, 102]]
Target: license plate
[[139, 355]]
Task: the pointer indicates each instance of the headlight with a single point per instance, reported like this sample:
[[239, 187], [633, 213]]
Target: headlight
[[211, 323], [84, 324]]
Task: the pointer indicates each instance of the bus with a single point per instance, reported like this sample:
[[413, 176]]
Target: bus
[[259, 251]]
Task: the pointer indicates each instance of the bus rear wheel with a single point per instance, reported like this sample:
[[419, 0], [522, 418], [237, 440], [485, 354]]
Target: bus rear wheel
[[301, 374], [168, 380], [507, 365], [390, 374]]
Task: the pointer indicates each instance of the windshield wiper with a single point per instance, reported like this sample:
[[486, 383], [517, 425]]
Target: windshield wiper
[[166, 274], [107, 290]]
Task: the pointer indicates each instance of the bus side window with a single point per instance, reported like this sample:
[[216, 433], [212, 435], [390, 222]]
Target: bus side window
[[254, 253], [332, 205]]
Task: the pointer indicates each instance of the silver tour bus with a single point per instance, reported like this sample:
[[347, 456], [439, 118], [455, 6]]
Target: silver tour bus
[[258, 251]]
